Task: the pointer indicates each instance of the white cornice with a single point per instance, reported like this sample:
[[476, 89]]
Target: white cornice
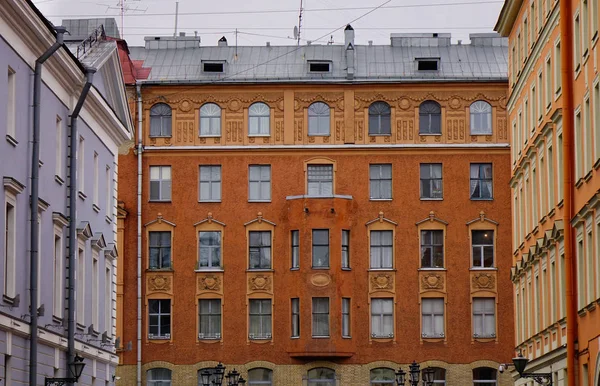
[[507, 17]]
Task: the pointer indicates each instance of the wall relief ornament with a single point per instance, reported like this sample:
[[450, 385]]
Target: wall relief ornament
[[432, 281], [185, 106], [234, 105], [209, 283], [320, 279], [484, 281], [159, 283], [260, 283], [382, 281], [404, 104]]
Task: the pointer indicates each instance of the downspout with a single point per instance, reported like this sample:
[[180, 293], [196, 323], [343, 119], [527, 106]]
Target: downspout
[[139, 236], [89, 72], [566, 62], [35, 197]]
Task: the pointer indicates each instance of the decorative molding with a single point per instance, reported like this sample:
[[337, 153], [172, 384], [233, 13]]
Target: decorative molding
[[209, 219], [260, 283], [84, 230], [159, 220], [320, 280], [482, 218], [432, 280], [483, 281], [98, 241], [111, 252], [259, 218], [382, 281], [60, 219], [432, 218], [381, 219], [13, 185], [159, 283], [209, 283]]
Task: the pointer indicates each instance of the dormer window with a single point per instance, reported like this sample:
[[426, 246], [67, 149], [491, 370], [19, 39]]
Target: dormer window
[[217, 67], [428, 64], [319, 66]]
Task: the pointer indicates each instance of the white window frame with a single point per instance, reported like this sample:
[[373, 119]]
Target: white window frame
[[320, 315], [295, 248], [484, 115], [263, 130], [483, 314], [95, 288], [381, 248], [109, 195], [433, 316], [11, 103], [481, 249], [262, 313], [210, 115], [164, 131], [295, 314], [211, 248], [211, 183], [212, 332], [321, 182], [430, 180], [377, 177], [164, 184], [161, 312], [345, 248], [11, 190], [108, 295], [81, 167], [80, 282], [557, 69], [158, 382], [59, 253], [58, 167], [377, 318], [96, 191], [346, 318], [263, 196], [319, 119]]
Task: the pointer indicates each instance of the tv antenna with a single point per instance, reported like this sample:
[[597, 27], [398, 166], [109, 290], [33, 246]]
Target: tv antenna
[[123, 6], [298, 30]]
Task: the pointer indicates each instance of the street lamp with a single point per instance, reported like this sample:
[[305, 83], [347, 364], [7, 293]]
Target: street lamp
[[413, 374], [233, 378], [520, 363], [75, 368]]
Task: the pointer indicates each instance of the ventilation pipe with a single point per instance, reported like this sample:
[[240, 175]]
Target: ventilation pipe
[[89, 73], [348, 36], [349, 45], [35, 198], [139, 238], [223, 42]]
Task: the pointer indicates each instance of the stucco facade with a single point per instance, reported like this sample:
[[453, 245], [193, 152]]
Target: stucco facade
[[24, 35]]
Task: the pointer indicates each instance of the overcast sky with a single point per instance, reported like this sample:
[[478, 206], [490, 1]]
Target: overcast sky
[[255, 19]]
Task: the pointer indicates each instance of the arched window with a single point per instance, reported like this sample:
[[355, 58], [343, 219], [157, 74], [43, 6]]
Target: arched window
[[158, 377], [160, 120], [382, 377], [321, 376], [484, 376], [210, 120], [211, 378], [318, 119], [379, 119], [260, 376], [439, 376], [481, 118], [430, 118], [259, 119]]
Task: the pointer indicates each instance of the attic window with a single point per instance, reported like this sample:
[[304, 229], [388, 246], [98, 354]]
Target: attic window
[[213, 66], [429, 64], [319, 66]]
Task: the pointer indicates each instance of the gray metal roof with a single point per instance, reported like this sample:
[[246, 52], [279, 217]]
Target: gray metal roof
[[179, 59]]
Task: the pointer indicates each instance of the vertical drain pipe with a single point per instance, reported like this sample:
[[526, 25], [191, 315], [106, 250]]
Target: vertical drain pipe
[[89, 73], [139, 237], [35, 197]]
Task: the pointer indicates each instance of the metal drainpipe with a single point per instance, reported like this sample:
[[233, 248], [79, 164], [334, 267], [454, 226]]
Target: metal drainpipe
[[35, 198], [89, 72], [566, 61], [139, 237]]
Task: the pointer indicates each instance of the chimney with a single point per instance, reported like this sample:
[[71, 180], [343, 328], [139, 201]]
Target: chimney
[[350, 61], [223, 42], [182, 34], [348, 36]]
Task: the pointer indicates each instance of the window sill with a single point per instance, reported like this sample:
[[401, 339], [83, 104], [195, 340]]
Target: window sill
[[259, 135], [260, 340], [577, 71], [346, 337], [10, 139], [260, 270], [108, 219], [10, 300], [432, 199], [543, 220], [379, 135], [159, 338], [59, 180], [430, 134], [481, 134], [381, 270], [160, 201], [96, 208], [560, 204], [209, 270], [597, 164], [208, 201], [57, 319], [557, 93], [259, 201], [484, 339], [482, 199], [81, 195], [346, 269], [319, 135], [579, 183], [321, 337], [588, 176], [161, 136], [433, 339], [209, 136], [380, 199], [160, 270], [295, 269], [585, 57], [321, 268], [483, 269], [305, 196], [594, 40], [431, 269], [80, 327]]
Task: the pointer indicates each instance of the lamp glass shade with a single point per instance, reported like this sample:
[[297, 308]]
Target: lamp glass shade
[[235, 377], [520, 363], [428, 375], [400, 377], [414, 372], [219, 372], [205, 377], [76, 368], [241, 381]]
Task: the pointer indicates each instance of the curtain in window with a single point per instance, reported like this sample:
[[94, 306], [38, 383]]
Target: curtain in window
[[430, 118], [260, 376], [210, 250], [260, 319], [258, 119], [159, 377], [484, 318], [260, 182], [481, 180], [321, 377], [381, 249], [160, 250], [433, 317], [481, 118], [484, 376], [320, 180], [260, 250], [160, 120], [320, 248], [210, 318], [210, 119], [320, 316], [379, 119], [382, 318], [318, 119], [382, 377]]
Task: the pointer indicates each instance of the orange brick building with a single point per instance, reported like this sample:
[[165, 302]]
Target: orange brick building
[[323, 216], [554, 112]]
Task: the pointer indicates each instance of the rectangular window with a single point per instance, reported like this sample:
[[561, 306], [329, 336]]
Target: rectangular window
[[260, 319], [59, 146], [295, 249], [548, 93], [557, 68], [589, 252], [9, 248], [96, 182], [380, 178], [109, 194], [159, 319], [210, 319], [596, 116], [80, 275], [320, 180], [209, 255], [345, 248], [346, 318], [431, 181], [560, 166], [295, 317], [320, 317], [525, 38], [550, 175], [95, 288], [58, 283], [382, 247], [11, 112], [433, 318], [483, 248], [260, 249], [578, 145], [160, 250], [585, 27], [108, 298], [382, 318], [160, 183], [581, 275], [481, 182], [81, 165], [432, 249], [320, 248], [588, 135], [484, 318], [259, 183], [210, 183], [577, 43]]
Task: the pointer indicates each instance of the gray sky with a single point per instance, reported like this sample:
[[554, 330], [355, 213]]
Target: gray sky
[[276, 18]]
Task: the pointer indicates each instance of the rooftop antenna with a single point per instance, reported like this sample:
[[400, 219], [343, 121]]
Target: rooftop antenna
[[298, 31], [176, 17], [236, 44], [124, 8]]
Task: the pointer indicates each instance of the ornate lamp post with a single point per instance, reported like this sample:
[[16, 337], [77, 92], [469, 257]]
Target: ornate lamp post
[[413, 373], [233, 378], [75, 368], [520, 363]]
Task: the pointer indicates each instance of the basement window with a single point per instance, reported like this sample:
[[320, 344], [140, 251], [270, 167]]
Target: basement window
[[428, 64], [213, 67], [319, 67]]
